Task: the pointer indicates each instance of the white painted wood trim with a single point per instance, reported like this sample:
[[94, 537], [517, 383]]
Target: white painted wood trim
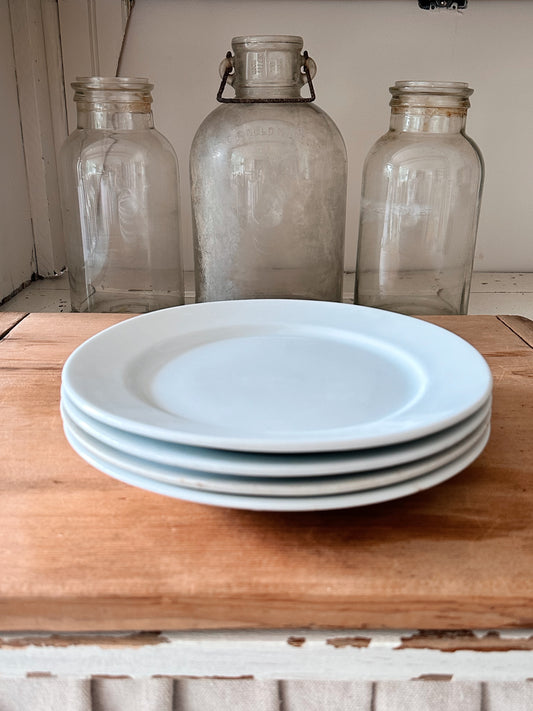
[[54, 66], [36, 44], [39, 43], [16, 234], [362, 655]]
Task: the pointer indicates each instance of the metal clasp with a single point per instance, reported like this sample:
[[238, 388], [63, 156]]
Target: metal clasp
[[448, 4], [227, 71]]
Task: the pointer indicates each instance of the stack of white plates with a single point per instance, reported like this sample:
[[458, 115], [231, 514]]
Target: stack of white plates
[[277, 405]]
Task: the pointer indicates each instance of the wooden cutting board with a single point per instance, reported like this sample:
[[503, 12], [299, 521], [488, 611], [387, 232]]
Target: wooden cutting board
[[81, 551]]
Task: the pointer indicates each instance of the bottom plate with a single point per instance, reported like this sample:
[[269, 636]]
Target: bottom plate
[[287, 503]]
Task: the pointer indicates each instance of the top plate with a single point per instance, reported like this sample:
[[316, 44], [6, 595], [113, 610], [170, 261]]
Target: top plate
[[277, 376]]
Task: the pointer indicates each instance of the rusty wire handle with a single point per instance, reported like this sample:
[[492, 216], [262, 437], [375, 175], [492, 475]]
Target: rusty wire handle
[[228, 71]]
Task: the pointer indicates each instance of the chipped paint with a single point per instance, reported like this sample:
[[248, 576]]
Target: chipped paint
[[105, 641], [466, 640], [296, 641], [366, 655], [39, 674], [340, 642], [219, 677]]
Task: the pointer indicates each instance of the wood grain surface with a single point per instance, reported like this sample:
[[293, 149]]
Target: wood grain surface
[[9, 321], [80, 551]]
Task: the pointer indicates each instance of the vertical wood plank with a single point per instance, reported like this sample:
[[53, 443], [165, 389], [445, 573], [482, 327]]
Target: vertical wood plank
[[428, 696], [54, 68], [38, 130], [326, 695], [17, 262], [154, 694], [508, 696], [226, 695], [45, 694]]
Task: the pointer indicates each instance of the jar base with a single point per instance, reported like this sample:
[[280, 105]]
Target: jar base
[[418, 306], [124, 302]]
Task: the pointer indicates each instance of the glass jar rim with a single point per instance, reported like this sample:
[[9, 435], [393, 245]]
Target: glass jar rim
[[443, 88], [114, 83], [267, 39]]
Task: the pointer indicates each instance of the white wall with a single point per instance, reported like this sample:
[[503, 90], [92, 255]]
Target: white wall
[[16, 237], [361, 47]]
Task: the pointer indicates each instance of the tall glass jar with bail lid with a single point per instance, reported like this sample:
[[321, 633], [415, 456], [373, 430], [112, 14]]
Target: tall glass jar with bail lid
[[120, 200], [268, 181], [420, 203]]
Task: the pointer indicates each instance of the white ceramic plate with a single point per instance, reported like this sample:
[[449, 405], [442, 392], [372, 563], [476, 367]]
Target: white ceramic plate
[[254, 464], [260, 486], [287, 503], [277, 376]]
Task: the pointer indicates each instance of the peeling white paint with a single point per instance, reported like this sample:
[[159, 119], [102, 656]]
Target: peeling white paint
[[267, 655]]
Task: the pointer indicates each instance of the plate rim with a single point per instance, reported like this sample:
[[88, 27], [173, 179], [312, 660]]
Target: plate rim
[[296, 504], [282, 465], [346, 483]]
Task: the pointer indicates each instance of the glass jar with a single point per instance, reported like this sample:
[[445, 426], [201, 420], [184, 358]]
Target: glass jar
[[420, 203], [268, 182], [120, 201]]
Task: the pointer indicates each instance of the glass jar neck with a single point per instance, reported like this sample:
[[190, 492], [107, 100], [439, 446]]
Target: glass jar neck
[[427, 120], [113, 117], [429, 107], [113, 103], [267, 67]]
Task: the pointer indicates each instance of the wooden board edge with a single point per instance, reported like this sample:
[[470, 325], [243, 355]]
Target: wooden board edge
[[521, 326], [126, 613], [9, 320]]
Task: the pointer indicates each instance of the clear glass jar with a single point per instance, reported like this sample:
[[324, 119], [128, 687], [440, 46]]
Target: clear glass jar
[[268, 183], [420, 203], [120, 200]]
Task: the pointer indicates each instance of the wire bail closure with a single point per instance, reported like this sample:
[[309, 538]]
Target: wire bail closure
[[227, 69]]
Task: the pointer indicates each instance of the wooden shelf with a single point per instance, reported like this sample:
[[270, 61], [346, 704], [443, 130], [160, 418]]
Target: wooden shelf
[[82, 551]]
